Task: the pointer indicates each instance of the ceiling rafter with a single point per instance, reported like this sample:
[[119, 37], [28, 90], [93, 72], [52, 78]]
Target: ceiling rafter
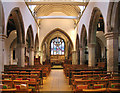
[[64, 3]]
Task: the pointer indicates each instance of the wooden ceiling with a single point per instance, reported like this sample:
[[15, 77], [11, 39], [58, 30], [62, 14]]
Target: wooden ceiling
[[46, 8]]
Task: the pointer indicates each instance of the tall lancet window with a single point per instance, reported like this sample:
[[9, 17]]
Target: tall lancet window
[[57, 46]]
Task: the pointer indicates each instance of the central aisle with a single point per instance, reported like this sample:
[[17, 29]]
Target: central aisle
[[56, 81]]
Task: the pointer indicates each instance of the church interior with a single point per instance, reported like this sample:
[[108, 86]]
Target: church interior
[[59, 46]]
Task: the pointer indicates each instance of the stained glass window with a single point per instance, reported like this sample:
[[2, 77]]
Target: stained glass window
[[57, 46]]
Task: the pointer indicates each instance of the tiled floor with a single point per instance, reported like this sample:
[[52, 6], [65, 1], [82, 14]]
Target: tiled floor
[[56, 82]]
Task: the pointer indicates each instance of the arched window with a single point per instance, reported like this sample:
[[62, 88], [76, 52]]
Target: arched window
[[57, 46]]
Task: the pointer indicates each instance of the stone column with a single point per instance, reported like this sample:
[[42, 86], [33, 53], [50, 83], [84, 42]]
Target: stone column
[[41, 57], [74, 56], [82, 56], [2, 54], [112, 51], [21, 54], [91, 55], [35, 54], [11, 56], [31, 56], [77, 57]]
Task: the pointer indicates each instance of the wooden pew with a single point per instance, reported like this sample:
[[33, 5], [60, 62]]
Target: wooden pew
[[88, 86], [22, 86], [9, 83], [12, 90], [114, 86]]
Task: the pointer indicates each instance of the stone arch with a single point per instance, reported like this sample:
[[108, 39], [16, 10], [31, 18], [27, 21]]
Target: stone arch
[[113, 17], [93, 25], [13, 53], [36, 41], [77, 41], [112, 35], [96, 13], [36, 46], [53, 34], [1, 18], [60, 30], [101, 49], [78, 49], [17, 18], [83, 36], [30, 37], [30, 46], [83, 44]]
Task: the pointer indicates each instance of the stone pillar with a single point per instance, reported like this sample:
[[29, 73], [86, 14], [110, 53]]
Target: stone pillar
[[112, 51], [91, 55], [41, 57], [35, 54], [21, 54], [82, 56], [11, 56], [74, 56], [31, 56], [2, 54], [77, 57]]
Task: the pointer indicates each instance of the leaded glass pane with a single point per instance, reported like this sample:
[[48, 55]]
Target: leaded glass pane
[[57, 46]]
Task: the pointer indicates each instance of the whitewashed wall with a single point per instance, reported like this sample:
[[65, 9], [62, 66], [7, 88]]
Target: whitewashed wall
[[85, 19], [27, 21], [48, 25]]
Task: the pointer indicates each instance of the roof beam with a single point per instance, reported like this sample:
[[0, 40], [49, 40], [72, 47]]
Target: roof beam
[[57, 17], [63, 3]]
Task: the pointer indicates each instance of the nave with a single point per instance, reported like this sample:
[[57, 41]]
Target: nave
[[56, 82], [83, 37], [72, 78]]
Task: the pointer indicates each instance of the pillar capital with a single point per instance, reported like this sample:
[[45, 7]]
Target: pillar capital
[[74, 51], [91, 44], [81, 48], [21, 45], [2, 36], [40, 51], [35, 51], [31, 49], [111, 35]]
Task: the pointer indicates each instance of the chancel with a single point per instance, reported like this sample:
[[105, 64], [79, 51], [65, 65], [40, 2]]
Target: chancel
[[60, 46]]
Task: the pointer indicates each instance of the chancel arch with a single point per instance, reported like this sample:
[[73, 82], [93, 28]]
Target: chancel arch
[[56, 36], [15, 25], [30, 46], [96, 29]]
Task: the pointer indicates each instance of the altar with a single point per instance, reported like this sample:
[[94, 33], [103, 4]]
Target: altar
[[57, 59]]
